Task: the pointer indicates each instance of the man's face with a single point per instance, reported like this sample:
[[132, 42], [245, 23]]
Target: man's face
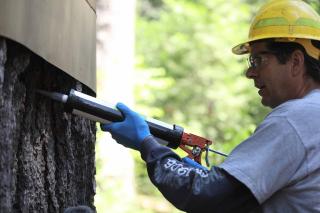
[[273, 80]]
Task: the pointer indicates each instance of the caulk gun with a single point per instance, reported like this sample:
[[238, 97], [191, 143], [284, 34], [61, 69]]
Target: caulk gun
[[169, 135]]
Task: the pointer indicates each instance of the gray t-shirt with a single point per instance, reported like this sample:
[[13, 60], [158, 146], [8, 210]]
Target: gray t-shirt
[[280, 162]]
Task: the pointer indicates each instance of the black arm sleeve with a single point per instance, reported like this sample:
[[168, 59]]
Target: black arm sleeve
[[192, 189]]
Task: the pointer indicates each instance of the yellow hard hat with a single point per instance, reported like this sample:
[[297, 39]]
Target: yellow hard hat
[[286, 21]]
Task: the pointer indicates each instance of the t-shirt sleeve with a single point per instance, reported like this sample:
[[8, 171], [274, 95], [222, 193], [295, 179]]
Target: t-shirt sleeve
[[267, 161]]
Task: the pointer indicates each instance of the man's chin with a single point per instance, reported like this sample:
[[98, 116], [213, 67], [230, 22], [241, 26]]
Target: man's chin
[[266, 103]]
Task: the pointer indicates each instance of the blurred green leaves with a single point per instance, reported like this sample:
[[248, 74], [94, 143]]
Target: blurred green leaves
[[187, 73]]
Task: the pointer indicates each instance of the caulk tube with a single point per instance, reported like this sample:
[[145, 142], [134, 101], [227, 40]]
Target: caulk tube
[[96, 110]]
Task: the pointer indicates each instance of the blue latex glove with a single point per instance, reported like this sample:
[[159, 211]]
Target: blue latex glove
[[131, 131], [193, 163]]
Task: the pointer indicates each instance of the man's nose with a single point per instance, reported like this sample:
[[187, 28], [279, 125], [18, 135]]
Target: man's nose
[[251, 73]]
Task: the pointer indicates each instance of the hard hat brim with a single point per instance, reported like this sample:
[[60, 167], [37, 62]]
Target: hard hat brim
[[240, 49], [244, 48]]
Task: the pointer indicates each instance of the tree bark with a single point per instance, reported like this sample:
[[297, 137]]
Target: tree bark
[[46, 155]]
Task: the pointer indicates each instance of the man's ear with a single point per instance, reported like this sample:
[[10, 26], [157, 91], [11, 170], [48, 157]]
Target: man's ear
[[298, 65]]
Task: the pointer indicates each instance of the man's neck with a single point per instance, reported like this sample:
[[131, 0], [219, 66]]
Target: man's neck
[[309, 85]]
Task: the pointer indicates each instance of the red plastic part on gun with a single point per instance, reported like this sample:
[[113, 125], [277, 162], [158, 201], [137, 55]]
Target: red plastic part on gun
[[198, 144]]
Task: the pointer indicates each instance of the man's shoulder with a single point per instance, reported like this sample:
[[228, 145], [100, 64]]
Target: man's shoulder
[[301, 115]]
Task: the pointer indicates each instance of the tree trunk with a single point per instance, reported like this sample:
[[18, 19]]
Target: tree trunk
[[46, 155]]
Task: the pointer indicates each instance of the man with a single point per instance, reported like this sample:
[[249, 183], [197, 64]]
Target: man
[[277, 169]]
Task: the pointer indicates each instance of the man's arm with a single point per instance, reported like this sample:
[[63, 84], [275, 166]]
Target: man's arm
[[187, 187], [193, 189]]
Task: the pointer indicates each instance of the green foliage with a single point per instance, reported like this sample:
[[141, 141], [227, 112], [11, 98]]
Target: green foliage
[[188, 74], [315, 4], [149, 9]]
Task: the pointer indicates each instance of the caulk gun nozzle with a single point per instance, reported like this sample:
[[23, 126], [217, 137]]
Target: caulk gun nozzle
[[54, 95]]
